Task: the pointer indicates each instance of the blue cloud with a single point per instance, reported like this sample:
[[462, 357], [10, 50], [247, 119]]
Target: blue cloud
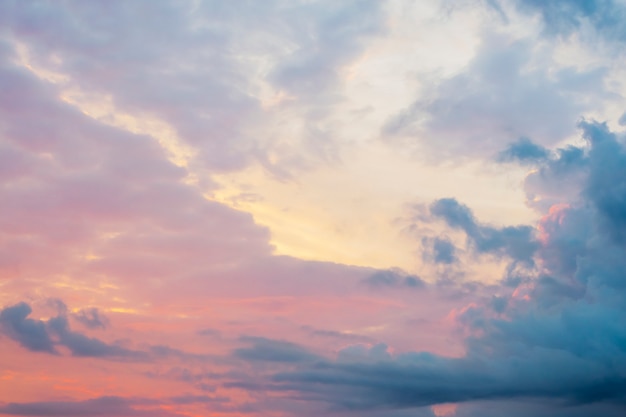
[[439, 250], [556, 343], [564, 17], [393, 278], [29, 333], [516, 242], [525, 151], [262, 349]]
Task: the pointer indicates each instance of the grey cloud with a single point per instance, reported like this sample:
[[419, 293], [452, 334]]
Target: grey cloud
[[556, 343], [606, 187], [83, 177], [496, 100], [167, 351], [564, 17], [268, 350], [364, 353], [525, 408], [81, 345], [44, 336], [439, 250], [333, 334], [58, 305], [209, 332], [516, 242], [105, 406], [212, 99], [393, 278], [195, 399], [557, 179], [524, 151], [552, 375], [326, 43], [92, 318], [29, 333]]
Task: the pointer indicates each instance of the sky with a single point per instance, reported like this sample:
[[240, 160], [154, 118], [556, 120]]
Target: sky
[[378, 208]]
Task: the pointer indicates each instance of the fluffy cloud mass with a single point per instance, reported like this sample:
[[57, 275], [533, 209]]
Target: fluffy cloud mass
[[554, 339], [303, 208]]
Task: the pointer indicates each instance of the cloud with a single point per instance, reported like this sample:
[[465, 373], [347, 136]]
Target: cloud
[[43, 336], [333, 38], [333, 334], [393, 278], [267, 350], [515, 242], [499, 97], [606, 187], [524, 151], [439, 250], [104, 212], [81, 345], [214, 101], [105, 406], [92, 318], [565, 17], [29, 333], [555, 342]]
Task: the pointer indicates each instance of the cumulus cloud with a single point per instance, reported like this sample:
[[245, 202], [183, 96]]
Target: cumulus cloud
[[90, 206], [555, 341]]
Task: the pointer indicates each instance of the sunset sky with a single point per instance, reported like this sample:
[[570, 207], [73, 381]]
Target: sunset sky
[[277, 208]]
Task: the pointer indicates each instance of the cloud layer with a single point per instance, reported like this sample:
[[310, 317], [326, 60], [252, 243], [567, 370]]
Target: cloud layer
[[143, 148]]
